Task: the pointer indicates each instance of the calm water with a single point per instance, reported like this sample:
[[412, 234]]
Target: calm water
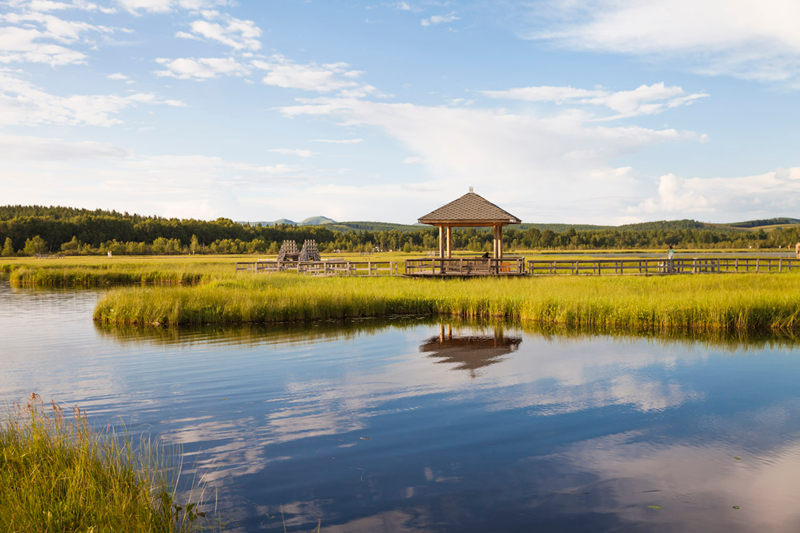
[[413, 426]]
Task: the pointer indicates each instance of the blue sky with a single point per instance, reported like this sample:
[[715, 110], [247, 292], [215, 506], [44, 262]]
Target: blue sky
[[560, 111]]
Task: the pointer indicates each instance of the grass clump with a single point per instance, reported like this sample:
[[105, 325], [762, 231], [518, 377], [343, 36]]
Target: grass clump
[[97, 277], [57, 474], [728, 302]]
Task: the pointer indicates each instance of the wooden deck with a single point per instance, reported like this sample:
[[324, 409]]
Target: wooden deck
[[322, 268], [465, 267]]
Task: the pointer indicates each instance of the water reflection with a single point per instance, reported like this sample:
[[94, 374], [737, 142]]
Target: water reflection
[[418, 425], [469, 352]]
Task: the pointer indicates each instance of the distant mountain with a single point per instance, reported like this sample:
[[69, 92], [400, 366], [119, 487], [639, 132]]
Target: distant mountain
[[317, 221], [375, 226], [282, 221]]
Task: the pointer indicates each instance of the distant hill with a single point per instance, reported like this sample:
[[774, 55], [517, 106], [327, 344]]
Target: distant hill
[[374, 226], [317, 221], [558, 227], [765, 222]]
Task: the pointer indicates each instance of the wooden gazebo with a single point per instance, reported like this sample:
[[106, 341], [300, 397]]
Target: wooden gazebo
[[471, 210]]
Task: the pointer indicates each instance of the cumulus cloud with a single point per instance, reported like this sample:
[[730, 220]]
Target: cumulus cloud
[[23, 103], [750, 40], [13, 147], [237, 33], [292, 151], [169, 185], [525, 161], [326, 77], [644, 100], [439, 19], [723, 198], [339, 141], [203, 68]]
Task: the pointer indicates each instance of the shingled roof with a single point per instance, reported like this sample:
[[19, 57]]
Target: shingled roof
[[470, 208]]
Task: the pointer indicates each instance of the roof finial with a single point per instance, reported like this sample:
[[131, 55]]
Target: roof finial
[[470, 189]]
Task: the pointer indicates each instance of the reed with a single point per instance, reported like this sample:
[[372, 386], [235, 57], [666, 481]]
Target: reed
[[726, 302], [58, 474], [83, 277]]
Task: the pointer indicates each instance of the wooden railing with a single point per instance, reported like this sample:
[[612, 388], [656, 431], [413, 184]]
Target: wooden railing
[[465, 266], [323, 268], [695, 265]]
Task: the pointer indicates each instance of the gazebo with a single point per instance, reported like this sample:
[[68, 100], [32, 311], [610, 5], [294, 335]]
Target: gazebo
[[471, 210]]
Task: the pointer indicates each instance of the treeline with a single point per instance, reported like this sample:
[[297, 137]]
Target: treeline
[[34, 230]]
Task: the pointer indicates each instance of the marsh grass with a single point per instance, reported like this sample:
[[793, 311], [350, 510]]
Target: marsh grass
[[58, 474], [711, 302]]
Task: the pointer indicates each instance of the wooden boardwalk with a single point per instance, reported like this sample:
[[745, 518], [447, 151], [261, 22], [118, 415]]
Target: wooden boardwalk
[[466, 267], [322, 268], [694, 265]]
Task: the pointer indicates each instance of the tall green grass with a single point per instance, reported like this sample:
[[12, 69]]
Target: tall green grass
[[58, 474], [93, 277], [727, 302]]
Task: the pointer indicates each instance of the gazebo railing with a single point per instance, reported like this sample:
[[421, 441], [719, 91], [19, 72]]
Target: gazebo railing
[[465, 266]]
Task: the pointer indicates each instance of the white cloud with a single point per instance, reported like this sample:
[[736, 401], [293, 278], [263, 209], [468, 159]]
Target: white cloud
[[169, 185], [742, 38], [166, 6], [439, 19], [526, 162], [41, 6], [339, 141], [20, 45], [45, 149], [644, 100], [327, 77], [292, 151], [403, 6], [724, 199], [203, 68], [118, 76], [22, 103], [237, 33]]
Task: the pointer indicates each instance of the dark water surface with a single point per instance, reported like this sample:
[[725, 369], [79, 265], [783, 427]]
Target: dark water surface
[[417, 426]]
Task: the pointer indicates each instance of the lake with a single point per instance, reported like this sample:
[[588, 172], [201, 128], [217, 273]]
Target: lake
[[420, 425]]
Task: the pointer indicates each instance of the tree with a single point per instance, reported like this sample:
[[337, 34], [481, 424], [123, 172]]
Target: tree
[[71, 246], [35, 246], [194, 246], [8, 248]]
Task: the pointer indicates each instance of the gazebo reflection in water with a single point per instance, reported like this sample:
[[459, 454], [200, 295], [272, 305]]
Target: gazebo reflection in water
[[469, 352], [470, 210]]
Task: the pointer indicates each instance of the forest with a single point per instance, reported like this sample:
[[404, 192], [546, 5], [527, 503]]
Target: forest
[[40, 230]]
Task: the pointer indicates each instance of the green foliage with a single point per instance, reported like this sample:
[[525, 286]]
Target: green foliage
[[724, 302], [77, 231], [35, 246], [8, 248], [58, 474]]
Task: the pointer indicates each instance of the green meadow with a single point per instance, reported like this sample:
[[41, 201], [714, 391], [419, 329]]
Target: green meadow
[[692, 304]]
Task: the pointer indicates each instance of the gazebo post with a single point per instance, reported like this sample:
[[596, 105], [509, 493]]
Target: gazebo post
[[449, 248], [441, 241]]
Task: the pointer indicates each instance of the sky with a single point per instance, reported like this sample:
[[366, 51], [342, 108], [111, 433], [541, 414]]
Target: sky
[[593, 111]]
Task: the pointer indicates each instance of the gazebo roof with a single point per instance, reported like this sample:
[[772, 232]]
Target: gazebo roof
[[470, 208]]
